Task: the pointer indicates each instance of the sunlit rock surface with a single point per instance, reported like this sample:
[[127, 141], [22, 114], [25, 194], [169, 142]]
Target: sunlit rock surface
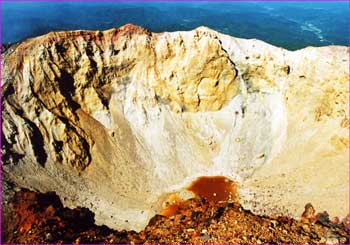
[[118, 120]]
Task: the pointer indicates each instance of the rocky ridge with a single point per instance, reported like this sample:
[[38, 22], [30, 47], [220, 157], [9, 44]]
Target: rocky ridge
[[41, 218], [118, 120]]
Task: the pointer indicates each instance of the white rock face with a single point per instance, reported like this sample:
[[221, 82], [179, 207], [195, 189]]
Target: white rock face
[[118, 120]]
